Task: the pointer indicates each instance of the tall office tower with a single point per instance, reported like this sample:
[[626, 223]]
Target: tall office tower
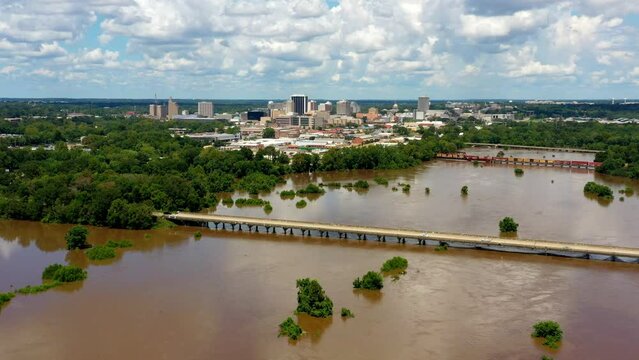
[[312, 105], [355, 108], [289, 108], [205, 109], [344, 108], [160, 111], [173, 108], [423, 103], [327, 106], [152, 110], [300, 103]]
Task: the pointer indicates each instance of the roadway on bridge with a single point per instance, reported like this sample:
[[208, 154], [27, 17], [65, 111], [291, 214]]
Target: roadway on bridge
[[476, 240]]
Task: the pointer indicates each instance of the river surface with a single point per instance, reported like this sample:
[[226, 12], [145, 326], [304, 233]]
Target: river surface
[[221, 297]]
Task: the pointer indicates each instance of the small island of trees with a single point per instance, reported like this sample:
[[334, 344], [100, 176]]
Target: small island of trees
[[464, 190], [370, 281], [76, 238], [508, 225], [519, 171], [289, 328], [312, 300], [395, 263], [601, 191], [550, 331]]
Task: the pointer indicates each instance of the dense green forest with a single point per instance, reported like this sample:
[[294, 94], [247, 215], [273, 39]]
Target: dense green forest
[[129, 168], [619, 143]]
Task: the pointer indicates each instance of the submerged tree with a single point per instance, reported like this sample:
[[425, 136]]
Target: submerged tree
[[312, 300], [77, 237], [508, 224]]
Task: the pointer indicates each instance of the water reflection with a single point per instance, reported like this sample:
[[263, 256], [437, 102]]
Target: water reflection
[[372, 296], [314, 327]]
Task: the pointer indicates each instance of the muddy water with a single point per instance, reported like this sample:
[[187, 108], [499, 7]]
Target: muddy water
[[221, 297], [548, 203]]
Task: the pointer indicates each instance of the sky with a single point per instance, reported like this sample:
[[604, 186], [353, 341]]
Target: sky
[[326, 49]]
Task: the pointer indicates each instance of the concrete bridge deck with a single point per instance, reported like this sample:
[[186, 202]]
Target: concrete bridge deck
[[419, 236]]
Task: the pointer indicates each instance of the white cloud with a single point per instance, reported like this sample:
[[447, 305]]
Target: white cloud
[[43, 72], [477, 27], [414, 45], [9, 69]]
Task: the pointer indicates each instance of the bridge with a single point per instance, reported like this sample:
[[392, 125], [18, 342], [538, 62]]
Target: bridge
[[520, 161], [418, 237], [528, 147]]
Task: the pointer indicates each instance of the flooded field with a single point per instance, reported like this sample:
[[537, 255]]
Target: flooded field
[[222, 296]]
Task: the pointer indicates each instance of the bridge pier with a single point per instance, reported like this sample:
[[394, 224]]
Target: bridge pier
[[233, 227]]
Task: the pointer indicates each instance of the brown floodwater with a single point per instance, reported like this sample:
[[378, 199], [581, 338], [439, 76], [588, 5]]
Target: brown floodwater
[[222, 296]]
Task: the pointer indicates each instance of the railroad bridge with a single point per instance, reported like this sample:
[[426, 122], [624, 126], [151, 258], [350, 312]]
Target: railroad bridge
[[520, 161], [418, 237]]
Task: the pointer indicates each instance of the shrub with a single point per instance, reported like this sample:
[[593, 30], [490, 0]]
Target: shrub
[[381, 181], [519, 171], [312, 300], [598, 190], [198, 235], [162, 223], [241, 202], [287, 194], [427, 190], [550, 331], [396, 263], [50, 271], [333, 185], [500, 154], [119, 244], [77, 238], [268, 208], [405, 188], [300, 204], [310, 189], [441, 247], [464, 190], [507, 224], [394, 188], [38, 288], [629, 191], [370, 281], [61, 273], [361, 184], [546, 357], [100, 252], [289, 328], [228, 202], [347, 313], [6, 297]]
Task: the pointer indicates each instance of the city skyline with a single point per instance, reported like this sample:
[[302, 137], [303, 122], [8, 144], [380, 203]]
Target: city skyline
[[386, 50]]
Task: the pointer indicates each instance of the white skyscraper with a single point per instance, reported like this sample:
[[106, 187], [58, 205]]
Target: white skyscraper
[[205, 109], [344, 108]]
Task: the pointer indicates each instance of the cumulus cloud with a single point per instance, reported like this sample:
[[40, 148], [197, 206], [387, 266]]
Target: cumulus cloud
[[285, 44]]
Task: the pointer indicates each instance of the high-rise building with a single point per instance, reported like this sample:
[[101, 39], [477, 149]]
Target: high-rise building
[[344, 108], [423, 103], [300, 104], [355, 108], [290, 106], [157, 111], [205, 109], [327, 106], [173, 108], [312, 105]]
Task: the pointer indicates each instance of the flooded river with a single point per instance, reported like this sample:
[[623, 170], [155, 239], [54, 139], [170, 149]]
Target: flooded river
[[221, 297]]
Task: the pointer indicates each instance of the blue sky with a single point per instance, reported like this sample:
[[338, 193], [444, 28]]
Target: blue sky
[[384, 49]]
